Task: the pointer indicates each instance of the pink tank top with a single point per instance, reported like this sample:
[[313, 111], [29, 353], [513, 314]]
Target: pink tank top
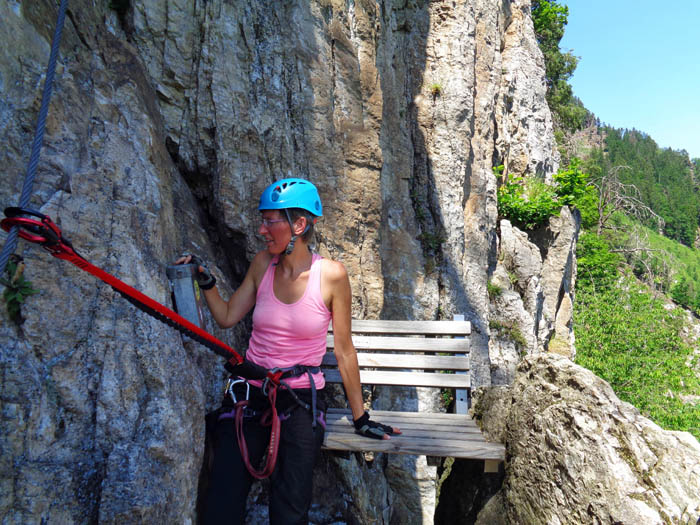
[[285, 335]]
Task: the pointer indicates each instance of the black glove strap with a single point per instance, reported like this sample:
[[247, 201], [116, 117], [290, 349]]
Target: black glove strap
[[205, 279], [208, 284], [371, 429]]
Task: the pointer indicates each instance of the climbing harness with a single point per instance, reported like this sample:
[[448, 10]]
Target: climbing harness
[[38, 228], [11, 241], [241, 410]]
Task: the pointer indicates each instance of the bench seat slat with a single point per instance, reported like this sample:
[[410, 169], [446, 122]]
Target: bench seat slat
[[430, 362], [406, 344], [458, 423], [421, 416], [433, 431], [410, 327], [462, 437], [376, 377], [414, 445]]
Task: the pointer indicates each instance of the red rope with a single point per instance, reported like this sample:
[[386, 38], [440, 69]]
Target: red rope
[[273, 445]]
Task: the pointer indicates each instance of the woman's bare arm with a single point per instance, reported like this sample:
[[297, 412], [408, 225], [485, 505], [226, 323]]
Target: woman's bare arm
[[346, 355], [228, 313]]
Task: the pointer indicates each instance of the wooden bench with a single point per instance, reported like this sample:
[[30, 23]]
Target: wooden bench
[[413, 354]]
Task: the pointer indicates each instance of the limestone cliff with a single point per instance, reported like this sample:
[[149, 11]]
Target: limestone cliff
[[167, 121]]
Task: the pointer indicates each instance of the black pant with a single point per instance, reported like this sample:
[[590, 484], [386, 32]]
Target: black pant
[[290, 487]]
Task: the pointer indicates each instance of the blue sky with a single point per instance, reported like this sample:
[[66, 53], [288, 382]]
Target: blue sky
[[639, 66]]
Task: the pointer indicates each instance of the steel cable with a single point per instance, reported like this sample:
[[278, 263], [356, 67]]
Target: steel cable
[[11, 241]]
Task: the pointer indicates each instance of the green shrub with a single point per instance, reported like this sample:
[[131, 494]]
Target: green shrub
[[511, 330], [597, 265], [493, 290], [17, 289], [570, 183], [435, 89], [587, 204], [683, 293], [527, 203]]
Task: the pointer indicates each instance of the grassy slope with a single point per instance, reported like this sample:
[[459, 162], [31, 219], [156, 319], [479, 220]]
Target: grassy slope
[[632, 339]]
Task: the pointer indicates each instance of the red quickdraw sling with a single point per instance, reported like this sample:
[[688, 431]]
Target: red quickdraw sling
[[40, 229], [239, 407]]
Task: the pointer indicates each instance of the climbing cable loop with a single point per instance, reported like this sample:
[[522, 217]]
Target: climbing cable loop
[[11, 241], [38, 228]]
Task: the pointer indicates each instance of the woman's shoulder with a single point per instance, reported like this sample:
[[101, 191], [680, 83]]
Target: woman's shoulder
[[259, 265], [262, 258], [333, 271]]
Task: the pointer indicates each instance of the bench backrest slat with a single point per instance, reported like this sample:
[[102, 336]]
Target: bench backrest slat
[[406, 344], [407, 353], [410, 327], [377, 377], [425, 362]]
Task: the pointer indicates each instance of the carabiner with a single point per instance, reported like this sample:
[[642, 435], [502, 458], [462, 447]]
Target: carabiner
[[230, 383], [42, 231], [274, 377]]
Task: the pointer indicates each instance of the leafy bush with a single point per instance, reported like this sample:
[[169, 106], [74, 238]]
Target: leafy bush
[[627, 337], [493, 290], [435, 89], [511, 330], [570, 183], [597, 265], [17, 289], [529, 202], [682, 293]]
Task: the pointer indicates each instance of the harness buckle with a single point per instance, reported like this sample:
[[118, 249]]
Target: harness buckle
[[231, 383]]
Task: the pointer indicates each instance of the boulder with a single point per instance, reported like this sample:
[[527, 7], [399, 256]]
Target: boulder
[[578, 454]]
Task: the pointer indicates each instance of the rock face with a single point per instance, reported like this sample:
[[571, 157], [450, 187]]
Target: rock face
[[577, 454], [533, 294], [167, 121]]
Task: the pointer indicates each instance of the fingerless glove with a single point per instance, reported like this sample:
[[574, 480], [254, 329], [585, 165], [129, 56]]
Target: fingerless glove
[[365, 427], [205, 279]]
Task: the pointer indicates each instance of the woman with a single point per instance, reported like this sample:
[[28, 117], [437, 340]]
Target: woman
[[295, 294]]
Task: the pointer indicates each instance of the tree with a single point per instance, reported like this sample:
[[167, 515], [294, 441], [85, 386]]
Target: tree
[[549, 19], [682, 293], [614, 196]]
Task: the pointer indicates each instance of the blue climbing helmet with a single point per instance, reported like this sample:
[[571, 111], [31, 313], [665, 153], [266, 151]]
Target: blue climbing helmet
[[291, 193]]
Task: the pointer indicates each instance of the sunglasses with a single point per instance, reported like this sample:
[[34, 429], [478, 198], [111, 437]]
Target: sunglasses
[[269, 222]]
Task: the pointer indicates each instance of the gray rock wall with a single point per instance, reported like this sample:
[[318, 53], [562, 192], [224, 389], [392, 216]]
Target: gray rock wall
[[577, 454], [165, 125]]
